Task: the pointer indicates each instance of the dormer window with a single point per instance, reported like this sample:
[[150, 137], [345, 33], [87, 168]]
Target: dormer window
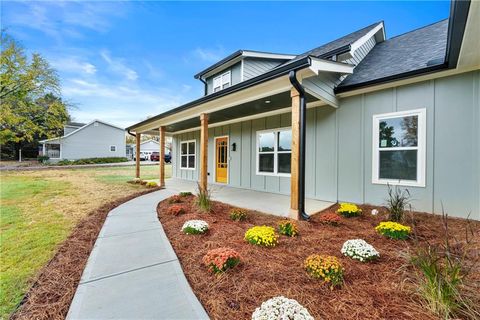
[[222, 81]]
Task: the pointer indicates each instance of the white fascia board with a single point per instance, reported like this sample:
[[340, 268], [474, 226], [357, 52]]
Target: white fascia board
[[267, 55], [320, 65], [357, 44]]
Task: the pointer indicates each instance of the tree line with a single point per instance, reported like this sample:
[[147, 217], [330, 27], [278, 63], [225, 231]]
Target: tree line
[[31, 107]]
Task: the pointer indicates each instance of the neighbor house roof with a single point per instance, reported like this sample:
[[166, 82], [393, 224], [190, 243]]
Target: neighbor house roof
[[81, 128], [411, 51], [75, 124]]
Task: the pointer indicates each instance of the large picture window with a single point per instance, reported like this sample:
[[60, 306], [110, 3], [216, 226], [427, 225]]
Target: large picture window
[[274, 152], [399, 148], [187, 154]]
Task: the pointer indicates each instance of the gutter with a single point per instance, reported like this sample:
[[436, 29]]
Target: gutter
[[132, 134], [303, 129]]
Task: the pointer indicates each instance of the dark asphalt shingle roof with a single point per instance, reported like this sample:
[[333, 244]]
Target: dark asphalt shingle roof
[[410, 51], [335, 44]]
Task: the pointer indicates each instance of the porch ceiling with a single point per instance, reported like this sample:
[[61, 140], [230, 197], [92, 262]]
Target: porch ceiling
[[278, 101]]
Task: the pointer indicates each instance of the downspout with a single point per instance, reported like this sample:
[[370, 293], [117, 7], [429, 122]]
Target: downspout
[[205, 86], [301, 163], [132, 134]]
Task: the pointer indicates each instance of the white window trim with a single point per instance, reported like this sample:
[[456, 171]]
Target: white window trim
[[45, 150], [114, 147], [220, 77], [421, 154], [275, 154], [188, 154]]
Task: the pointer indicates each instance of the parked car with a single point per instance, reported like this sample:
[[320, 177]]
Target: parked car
[[168, 157], [155, 156], [143, 156]]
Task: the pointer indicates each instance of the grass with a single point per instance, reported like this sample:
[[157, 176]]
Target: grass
[[38, 209]]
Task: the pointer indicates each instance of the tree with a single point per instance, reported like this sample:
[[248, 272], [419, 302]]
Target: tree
[[29, 96]]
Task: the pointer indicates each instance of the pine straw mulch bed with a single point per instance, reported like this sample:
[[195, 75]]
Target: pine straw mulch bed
[[375, 290], [54, 287]]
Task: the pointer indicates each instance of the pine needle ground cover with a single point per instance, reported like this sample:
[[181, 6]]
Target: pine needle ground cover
[[370, 290]]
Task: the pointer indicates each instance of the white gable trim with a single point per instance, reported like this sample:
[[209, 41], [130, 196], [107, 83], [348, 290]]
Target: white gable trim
[[320, 65], [360, 42]]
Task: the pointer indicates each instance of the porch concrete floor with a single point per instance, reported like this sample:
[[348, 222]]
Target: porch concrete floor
[[266, 202]]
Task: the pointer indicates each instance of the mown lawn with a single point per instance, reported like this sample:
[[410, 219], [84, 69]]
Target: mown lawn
[[38, 209]]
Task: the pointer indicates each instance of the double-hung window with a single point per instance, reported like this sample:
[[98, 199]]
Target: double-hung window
[[187, 154], [399, 148], [222, 81], [274, 152]]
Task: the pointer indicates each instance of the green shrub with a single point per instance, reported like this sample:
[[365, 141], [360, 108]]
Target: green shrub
[[92, 161], [63, 162], [204, 202], [237, 214], [288, 228], [43, 159], [185, 194], [398, 199]]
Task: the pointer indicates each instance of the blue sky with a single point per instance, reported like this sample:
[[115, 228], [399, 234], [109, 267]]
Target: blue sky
[[124, 61]]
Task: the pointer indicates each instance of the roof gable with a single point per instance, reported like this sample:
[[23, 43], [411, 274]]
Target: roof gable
[[81, 128], [410, 51]]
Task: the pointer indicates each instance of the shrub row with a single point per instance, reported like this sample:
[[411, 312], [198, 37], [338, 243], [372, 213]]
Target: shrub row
[[66, 162]]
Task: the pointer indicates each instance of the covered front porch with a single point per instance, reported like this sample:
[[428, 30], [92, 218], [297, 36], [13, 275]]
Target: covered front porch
[[223, 138], [266, 202]]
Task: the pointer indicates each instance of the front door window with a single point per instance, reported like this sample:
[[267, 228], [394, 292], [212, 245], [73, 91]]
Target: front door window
[[221, 161]]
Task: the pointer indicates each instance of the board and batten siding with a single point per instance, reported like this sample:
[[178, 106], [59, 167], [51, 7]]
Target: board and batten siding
[[339, 147]]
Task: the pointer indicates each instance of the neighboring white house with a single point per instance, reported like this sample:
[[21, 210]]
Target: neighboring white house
[[96, 139]]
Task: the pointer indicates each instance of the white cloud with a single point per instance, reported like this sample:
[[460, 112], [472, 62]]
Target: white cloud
[[73, 64], [118, 66], [64, 18], [117, 104]]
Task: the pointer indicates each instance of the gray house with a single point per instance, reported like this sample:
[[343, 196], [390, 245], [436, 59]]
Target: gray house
[[341, 121], [96, 139]]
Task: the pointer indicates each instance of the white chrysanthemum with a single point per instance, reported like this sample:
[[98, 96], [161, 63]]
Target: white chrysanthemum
[[199, 226], [281, 308], [360, 250]]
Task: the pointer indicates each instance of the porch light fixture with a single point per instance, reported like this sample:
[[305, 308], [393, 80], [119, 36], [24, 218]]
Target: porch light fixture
[[234, 146]]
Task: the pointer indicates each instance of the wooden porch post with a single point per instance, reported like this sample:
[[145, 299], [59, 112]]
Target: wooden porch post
[[137, 155], [161, 159], [203, 151], [295, 95]]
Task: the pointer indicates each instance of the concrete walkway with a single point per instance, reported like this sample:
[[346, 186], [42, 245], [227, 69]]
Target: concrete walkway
[[266, 202], [133, 272]]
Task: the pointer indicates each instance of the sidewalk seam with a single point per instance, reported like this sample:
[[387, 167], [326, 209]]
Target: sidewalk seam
[[126, 271]]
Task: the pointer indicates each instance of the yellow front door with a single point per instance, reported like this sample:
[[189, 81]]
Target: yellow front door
[[221, 161]]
